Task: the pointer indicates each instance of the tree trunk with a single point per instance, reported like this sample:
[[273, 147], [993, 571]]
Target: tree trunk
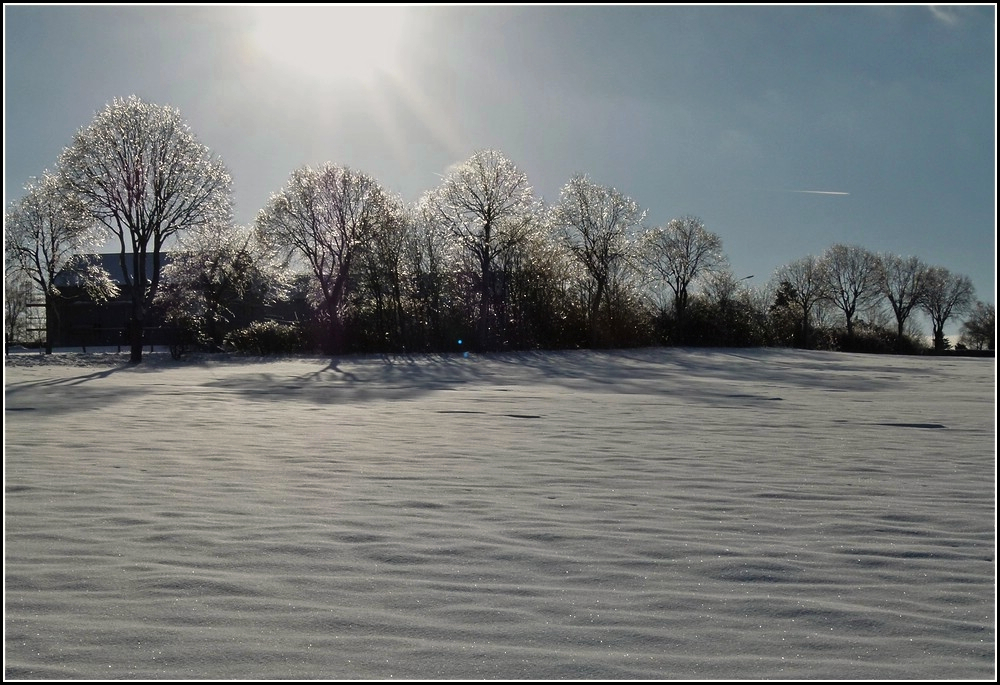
[[939, 338], [51, 322], [484, 308], [899, 334], [595, 311], [138, 302], [135, 335]]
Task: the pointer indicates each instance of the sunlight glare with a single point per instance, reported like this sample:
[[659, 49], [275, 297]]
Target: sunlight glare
[[331, 44]]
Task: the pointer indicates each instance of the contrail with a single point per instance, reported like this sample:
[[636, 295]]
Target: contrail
[[820, 192]]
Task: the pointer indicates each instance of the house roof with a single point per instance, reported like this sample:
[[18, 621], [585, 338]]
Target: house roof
[[111, 263]]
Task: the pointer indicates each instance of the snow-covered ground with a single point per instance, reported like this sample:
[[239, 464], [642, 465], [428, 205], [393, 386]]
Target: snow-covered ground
[[662, 514]]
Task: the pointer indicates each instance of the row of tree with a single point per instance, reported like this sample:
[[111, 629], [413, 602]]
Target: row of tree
[[478, 258]]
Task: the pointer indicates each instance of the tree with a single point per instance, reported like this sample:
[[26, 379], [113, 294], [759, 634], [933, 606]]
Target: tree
[[802, 286], [679, 253], [944, 294], [17, 294], [596, 223], [737, 319], [214, 270], [980, 329], [851, 279], [324, 216], [381, 273], [488, 207], [901, 282], [429, 254], [145, 178], [43, 233]]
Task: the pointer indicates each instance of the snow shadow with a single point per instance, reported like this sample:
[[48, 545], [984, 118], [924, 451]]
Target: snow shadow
[[758, 375]]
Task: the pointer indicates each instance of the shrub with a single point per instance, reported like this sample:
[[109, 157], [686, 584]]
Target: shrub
[[267, 337]]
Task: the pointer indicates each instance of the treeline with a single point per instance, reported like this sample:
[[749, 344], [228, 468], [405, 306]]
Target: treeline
[[477, 263]]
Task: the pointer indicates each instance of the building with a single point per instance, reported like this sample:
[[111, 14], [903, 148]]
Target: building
[[79, 321]]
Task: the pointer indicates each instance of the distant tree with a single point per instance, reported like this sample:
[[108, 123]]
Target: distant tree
[[679, 253], [901, 282], [144, 176], [430, 254], [44, 232], [213, 270], [597, 224], [802, 285], [17, 296], [737, 319], [324, 216], [944, 294], [380, 295], [488, 207], [980, 330], [536, 303], [852, 282]]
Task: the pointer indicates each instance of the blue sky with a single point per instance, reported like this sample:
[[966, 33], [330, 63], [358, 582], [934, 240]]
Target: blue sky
[[726, 113]]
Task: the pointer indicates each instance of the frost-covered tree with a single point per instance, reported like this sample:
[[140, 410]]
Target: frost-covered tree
[[44, 233], [381, 277], [979, 331], [487, 206], [17, 295], [802, 285], [430, 258], [901, 282], [679, 253], [212, 271], [597, 224], [852, 281], [739, 313], [943, 295], [325, 216], [145, 177]]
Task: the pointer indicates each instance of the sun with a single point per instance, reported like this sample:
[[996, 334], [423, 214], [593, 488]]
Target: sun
[[330, 44]]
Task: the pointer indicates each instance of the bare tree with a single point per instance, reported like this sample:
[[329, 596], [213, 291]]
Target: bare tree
[[980, 329], [430, 252], [597, 224], [802, 286], [488, 207], [901, 282], [679, 253], [144, 177], [739, 319], [852, 280], [944, 294], [382, 272], [324, 216], [213, 270], [44, 232], [17, 295]]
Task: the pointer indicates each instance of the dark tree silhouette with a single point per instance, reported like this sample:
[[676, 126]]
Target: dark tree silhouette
[[679, 253], [980, 329], [944, 294], [803, 285], [851, 274], [901, 282]]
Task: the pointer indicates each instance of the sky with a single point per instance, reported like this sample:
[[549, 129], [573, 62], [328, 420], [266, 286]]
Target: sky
[[785, 129]]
